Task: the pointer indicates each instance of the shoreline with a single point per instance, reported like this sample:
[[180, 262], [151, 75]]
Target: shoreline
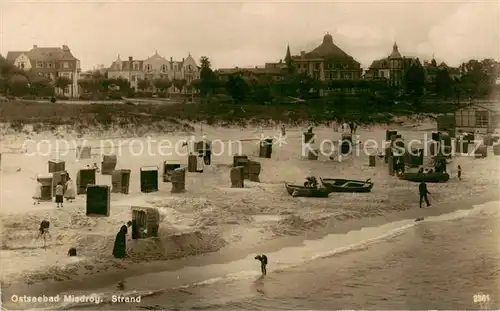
[[262, 217], [230, 254]]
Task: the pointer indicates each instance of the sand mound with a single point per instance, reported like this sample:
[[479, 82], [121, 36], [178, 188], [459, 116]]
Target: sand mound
[[294, 225], [171, 246]]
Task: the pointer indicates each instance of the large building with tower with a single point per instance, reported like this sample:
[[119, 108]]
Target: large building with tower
[[326, 62]]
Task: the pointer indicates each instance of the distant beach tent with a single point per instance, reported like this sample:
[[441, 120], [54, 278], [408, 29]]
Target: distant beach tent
[[145, 222], [46, 188], [98, 200]]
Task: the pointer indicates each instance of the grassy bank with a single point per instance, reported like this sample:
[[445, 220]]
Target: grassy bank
[[161, 117]]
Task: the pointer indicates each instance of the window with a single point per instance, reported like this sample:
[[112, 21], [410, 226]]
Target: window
[[49, 65], [21, 65], [39, 64], [463, 118], [66, 90], [163, 68], [136, 66], [148, 67], [481, 118], [316, 66], [65, 65]]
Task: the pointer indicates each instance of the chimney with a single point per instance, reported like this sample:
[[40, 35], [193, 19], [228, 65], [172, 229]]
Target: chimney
[[130, 58], [183, 59], [65, 48], [35, 46], [171, 59]]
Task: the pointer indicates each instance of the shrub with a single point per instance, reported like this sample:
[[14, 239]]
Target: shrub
[[52, 99], [85, 97], [115, 95]]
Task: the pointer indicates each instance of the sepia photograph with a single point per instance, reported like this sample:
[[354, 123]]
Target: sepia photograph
[[249, 155]]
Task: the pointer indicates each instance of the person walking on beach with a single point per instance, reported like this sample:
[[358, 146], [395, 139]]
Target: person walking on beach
[[459, 174], [120, 246], [422, 189], [59, 194], [69, 193], [37, 196], [263, 263]]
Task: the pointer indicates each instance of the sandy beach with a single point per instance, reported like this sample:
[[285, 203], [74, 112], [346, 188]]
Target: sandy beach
[[211, 217]]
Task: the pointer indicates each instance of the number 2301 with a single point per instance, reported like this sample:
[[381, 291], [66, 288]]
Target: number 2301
[[479, 298]]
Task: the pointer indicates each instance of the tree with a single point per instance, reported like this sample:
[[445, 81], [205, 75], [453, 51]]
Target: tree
[[18, 85], [162, 84], [208, 82], [62, 83], [414, 79], [298, 85], [260, 90], [479, 77], [143, 84], [237, 88], [443, 83], [179, 84], [41, 86], [89, 85], [121, 83]]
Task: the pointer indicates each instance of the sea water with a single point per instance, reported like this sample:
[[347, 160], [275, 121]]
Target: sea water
[[449, 262]]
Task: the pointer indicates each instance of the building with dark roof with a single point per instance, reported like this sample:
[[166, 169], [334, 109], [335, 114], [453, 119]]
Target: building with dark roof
[[431, 69], [391, 68], [271, 71], [326, 62], [50, 62]]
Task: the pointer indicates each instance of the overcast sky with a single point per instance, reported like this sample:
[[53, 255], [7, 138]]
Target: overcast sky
[[252, 33]]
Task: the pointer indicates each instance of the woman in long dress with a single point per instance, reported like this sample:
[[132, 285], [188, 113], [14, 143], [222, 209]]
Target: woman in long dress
[[69, 194], [37, 196], [120, 247]]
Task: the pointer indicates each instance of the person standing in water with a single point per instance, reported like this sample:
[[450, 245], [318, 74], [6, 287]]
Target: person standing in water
[[59, 194], [459, 174], [422, 189], [263, 263]]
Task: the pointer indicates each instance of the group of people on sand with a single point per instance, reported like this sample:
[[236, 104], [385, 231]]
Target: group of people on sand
[[62, 191]]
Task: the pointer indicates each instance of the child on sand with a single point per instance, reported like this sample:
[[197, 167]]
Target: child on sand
[[69, 194], [59, 194], [459, 174]]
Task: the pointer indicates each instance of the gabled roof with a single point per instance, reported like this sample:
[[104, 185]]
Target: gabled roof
[[154, 57], [488, 105], [50, 53], [13, 55]]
